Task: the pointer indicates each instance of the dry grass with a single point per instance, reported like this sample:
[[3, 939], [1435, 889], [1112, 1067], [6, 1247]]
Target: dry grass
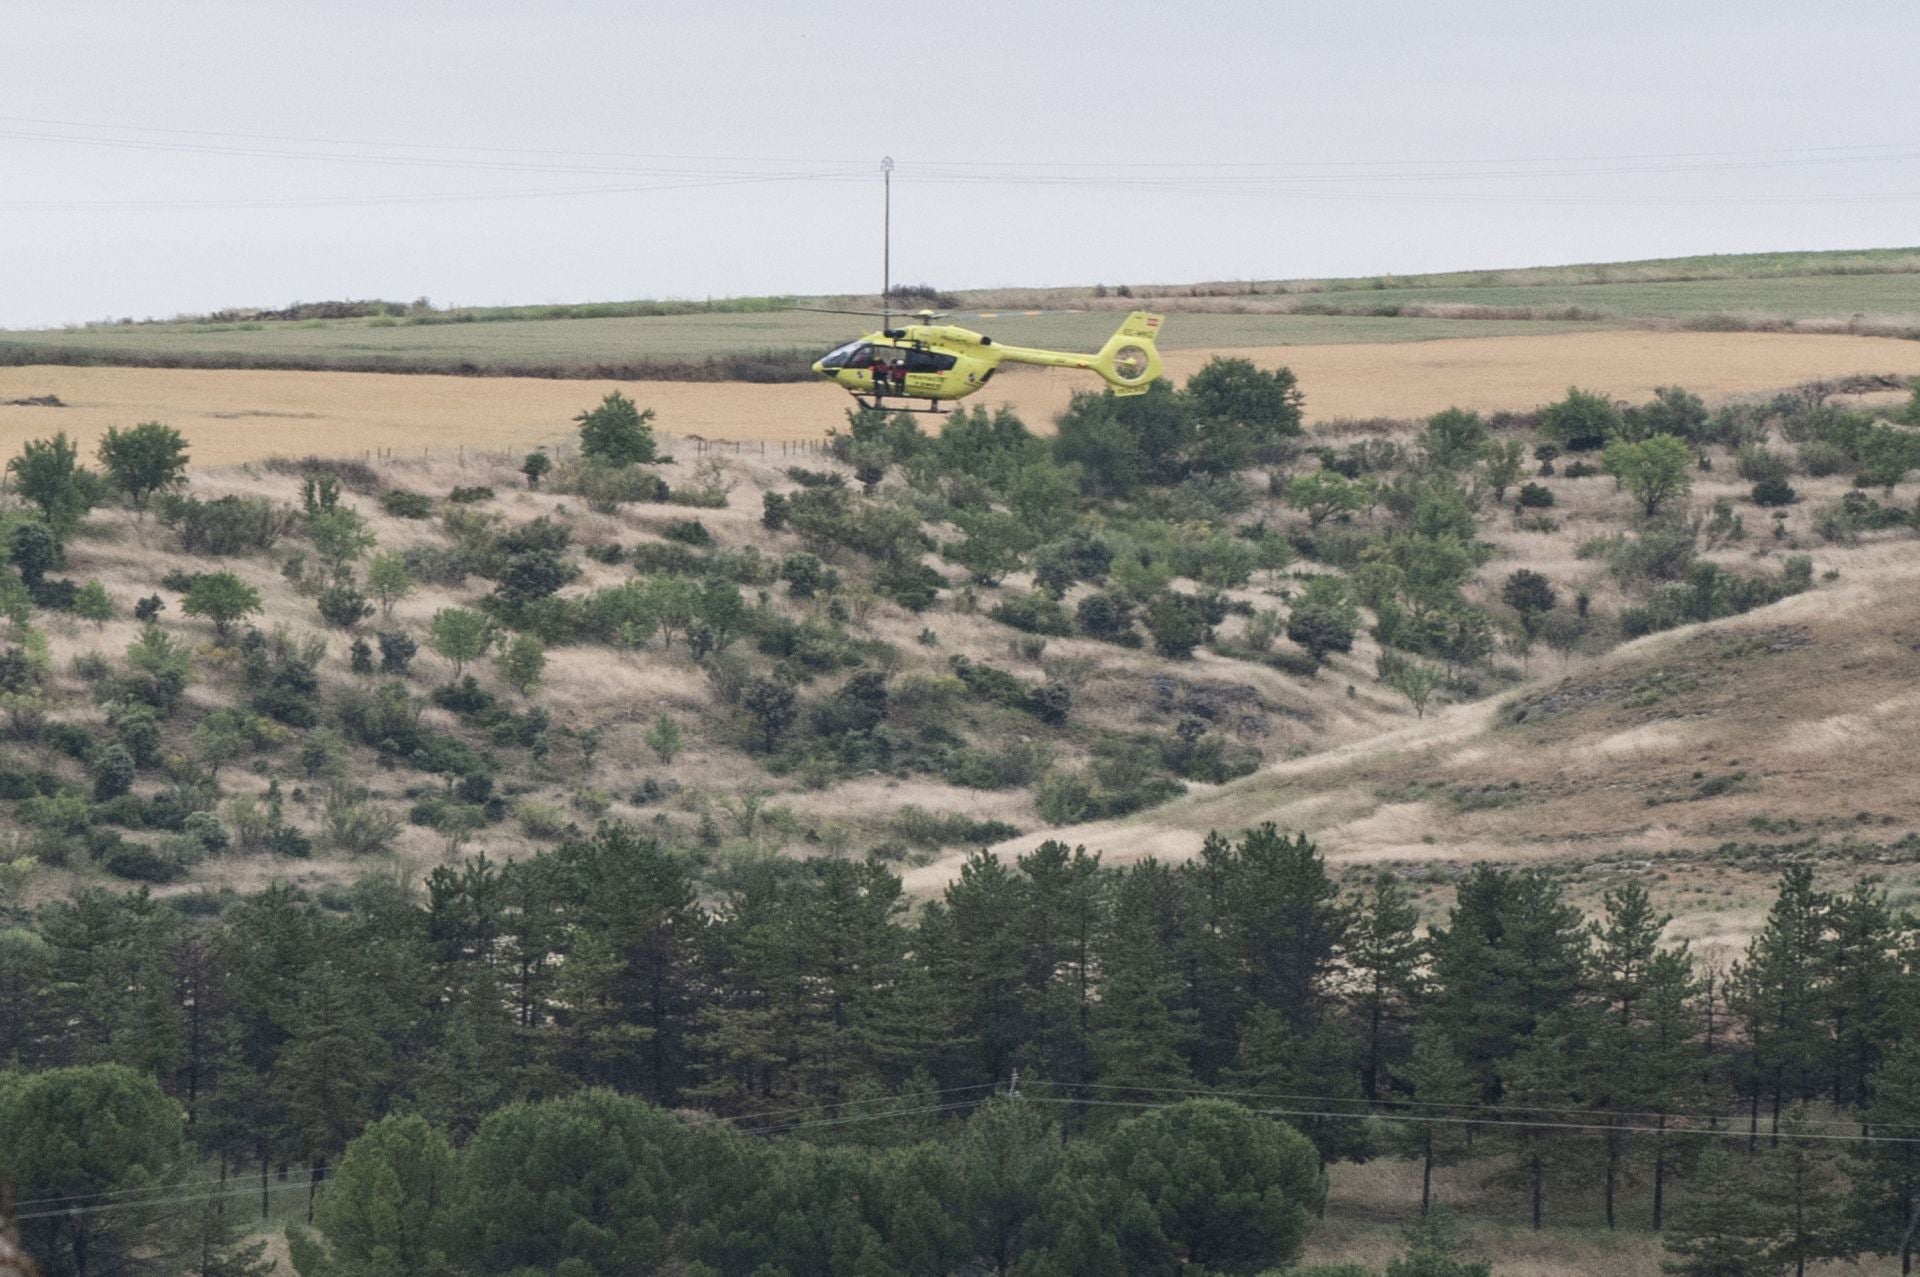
[[240, 415], [1817, 730]]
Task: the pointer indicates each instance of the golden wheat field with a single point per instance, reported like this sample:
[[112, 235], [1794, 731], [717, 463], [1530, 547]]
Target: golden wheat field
[[232, 416]]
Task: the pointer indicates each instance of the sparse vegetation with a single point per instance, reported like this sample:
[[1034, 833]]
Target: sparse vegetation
[[752, 697]]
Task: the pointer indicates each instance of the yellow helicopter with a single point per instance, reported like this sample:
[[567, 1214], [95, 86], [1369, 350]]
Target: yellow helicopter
[[936, 362]]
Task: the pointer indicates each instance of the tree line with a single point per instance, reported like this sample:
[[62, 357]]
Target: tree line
[[1558, 1049]]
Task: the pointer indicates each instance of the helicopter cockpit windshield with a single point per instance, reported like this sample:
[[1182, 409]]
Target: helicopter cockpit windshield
[[841, 356]]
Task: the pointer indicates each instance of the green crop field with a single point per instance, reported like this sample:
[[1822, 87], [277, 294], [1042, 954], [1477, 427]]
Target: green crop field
[[1785, 297], [653, 345], [760, 339]]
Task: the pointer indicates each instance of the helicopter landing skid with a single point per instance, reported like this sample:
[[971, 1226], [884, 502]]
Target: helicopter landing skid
[[879, 404]]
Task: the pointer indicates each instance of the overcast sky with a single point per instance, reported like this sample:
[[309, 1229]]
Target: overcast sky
[[159, 158]]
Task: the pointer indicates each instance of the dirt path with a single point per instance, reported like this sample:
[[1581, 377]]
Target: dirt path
[[242, 415]]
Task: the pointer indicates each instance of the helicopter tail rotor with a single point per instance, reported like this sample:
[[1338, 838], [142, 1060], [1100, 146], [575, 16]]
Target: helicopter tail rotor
[[1130, 362]]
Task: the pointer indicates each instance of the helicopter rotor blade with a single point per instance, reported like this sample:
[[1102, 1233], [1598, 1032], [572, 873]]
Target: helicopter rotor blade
[[839, 310]]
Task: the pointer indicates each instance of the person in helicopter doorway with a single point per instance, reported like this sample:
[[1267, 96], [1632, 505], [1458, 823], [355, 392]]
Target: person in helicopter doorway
[[880, 373], [899, 374]]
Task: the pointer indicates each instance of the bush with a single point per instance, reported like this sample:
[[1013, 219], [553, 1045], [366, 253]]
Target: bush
[[1012, 766], [141, 864], [402, 504], [688, 532], [1320, 629], [1820, 459], [357, 827], [920, 828], [1582, 422], [1178, 623], [607, 488], [1774, 491], [226, 525], [113, 773], [439, 565], [1535, 497], [1036, 613], [470, 496], [910, 583], [1758, 465], [344, 606], [1108, 617], [397, 650]]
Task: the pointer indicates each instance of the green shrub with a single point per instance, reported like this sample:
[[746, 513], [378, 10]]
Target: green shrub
[[343, 606], [1036, 613], [470, 496], [1819, 458], [910, 583], [921, 828], [1108, 617], [142, 864], [1774, 491], [688, 532], [1757, 464], [1582, 422], [1534, 496], [402, 504], [226, 525], [1012, 766]]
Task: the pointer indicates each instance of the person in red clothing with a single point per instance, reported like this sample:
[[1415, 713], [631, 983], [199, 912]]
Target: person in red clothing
[[900, 374], [879, 370]]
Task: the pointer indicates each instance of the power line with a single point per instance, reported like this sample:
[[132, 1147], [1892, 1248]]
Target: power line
[[1596, 1127], [348, 201], [242, 1191], [1391, 1105], [1865, 148]]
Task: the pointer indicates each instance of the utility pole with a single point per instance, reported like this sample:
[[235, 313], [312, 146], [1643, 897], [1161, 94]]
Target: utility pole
[[886, 244]]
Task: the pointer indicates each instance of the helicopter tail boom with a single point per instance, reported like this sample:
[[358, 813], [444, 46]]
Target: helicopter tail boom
[[1130, 362]]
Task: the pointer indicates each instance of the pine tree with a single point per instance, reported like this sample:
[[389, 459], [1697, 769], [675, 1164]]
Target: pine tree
[[1064, 912], [1862, 984], [216, 1240], [1387, 955], [590, 1040], [744, 1025], [972, 938], [1444, 1092], [1269, 930], [1885, 1202], [1512, 953], [466, 1071], [330, 1070], [1141, 1023], [1799, 1187], [846, 935], [635, 894], [1005, 1163], [1723, 1229], [1776, 993], [1615, 1078], [1308, 1078], [1538, 1082], [1669, 1057]]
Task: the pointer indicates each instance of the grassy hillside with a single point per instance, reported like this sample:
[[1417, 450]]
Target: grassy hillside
[[1556, 753], [759, 339], [1430, 645]]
